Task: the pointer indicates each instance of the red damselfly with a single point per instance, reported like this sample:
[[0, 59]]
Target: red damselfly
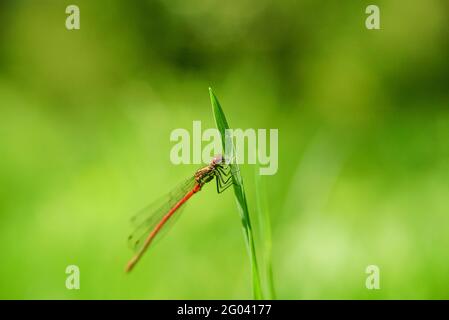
[[151, 220]]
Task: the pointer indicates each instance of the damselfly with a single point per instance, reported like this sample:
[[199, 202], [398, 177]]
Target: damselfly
[[151, 220]]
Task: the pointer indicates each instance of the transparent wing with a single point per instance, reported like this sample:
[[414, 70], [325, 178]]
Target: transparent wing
[[147, 218]]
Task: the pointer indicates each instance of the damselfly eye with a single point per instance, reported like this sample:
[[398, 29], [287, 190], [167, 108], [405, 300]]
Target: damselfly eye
[[217, 159]]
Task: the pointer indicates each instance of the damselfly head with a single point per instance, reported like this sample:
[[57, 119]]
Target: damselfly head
[[217, 159]]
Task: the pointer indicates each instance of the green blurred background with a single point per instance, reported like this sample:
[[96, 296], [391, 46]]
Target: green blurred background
[[363, 119]]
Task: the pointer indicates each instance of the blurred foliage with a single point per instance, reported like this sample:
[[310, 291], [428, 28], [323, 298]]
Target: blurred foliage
[[363, 120]]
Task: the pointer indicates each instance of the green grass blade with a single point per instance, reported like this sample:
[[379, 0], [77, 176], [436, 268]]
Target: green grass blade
[[265, 233], [240, 196]]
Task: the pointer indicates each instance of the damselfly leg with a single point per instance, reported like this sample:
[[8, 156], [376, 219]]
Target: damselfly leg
[[223, 177]]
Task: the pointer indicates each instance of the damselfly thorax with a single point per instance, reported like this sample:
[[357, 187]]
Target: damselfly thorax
[[219, 169]]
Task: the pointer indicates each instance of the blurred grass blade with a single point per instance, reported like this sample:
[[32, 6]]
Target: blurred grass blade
[[265, 233], [239, 192]]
